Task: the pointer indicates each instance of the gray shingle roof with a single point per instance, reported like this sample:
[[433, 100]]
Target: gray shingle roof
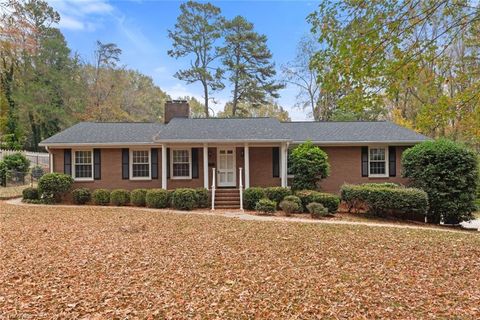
[[233, 129], [351, 131], [246, 129], [106, 132]]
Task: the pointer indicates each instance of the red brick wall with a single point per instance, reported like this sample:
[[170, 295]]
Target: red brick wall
[[111, 164], [261, 169], [345, 167]]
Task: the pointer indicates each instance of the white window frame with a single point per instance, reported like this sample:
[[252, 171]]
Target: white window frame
[[74, 163], [149, 150], [189, 150], [386, 175]]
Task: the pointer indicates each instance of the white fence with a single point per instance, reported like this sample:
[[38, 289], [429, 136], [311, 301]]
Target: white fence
[[36, 158]]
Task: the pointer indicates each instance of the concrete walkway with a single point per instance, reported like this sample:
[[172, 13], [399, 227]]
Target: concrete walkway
[[237, 214], [472, 224]]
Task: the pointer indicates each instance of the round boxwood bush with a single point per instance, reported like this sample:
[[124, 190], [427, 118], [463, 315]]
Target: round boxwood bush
[[329, 201], [119, 197], [317, 210], [202, 197], [101, 197], [81, 195], [52, 186], [309, 165], [266, 206], [138, 196], [251, 196], [157, 198], [30, 194], [289, 207], [277, 193], [448, 173], [184, 199], [296, 200]]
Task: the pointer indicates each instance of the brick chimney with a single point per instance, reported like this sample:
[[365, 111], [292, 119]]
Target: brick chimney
[[176, 109]]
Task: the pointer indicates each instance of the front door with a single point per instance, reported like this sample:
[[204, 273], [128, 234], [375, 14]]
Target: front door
[[226, 167]]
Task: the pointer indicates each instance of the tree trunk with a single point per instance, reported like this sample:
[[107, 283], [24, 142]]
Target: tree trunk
[[205, 96], [235, 88]]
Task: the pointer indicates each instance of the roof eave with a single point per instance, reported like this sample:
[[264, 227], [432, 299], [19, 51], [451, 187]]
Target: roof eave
[[95, 144], [362, 143]]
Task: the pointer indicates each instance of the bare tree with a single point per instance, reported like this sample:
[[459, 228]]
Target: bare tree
[[299, 73]]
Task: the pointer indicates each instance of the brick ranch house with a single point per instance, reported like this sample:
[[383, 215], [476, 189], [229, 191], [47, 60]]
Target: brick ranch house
[[226, 153]]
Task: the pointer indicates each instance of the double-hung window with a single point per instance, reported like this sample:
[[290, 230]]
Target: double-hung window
[[181, 164], [377, 162], [140, 164], [83, 165]]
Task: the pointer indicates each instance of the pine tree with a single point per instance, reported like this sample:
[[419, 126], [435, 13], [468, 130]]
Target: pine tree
[[247, 61]]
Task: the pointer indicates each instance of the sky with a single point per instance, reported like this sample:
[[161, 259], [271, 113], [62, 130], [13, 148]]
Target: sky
[[140, 29]]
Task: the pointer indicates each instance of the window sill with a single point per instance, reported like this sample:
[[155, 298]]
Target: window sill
[[140, 178], [181, 178], [83, 180], [378, 176]]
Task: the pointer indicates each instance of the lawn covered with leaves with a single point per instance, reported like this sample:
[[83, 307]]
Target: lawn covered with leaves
[[128, 263]]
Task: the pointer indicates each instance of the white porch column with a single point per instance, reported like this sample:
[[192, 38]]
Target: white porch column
[[246, 155], [283, 164], [205, 166], [164, 167]]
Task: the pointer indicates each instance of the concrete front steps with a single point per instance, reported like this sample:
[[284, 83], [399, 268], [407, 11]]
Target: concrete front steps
[[227, 199]]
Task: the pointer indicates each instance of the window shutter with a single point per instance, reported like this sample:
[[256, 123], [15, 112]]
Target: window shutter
[[154, 163], [194, 163], [97, 167], [364, 161], [125, 164], [67, 161], [168, 162], [275, 162], [392, 161]]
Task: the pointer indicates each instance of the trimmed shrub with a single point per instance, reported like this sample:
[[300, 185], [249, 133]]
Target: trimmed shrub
[[201, 197], [184, 199], [251, 196], [317, 210], [81, 195], [137, 197], [296, 200], [30, 194], [101, 197], [289, 207], [329, 201], [157, 198], [448, 173], [277, 193], [52, 186], [17, 162], [266, 206], [381, 200], [382, 185], [309, 165], [119, 197]]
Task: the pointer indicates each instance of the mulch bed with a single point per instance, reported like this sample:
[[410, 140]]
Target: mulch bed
[[96, 263]]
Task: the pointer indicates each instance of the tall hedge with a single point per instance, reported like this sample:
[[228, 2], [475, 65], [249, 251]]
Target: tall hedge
[[380, 200], [309, 164], [448, 172]]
